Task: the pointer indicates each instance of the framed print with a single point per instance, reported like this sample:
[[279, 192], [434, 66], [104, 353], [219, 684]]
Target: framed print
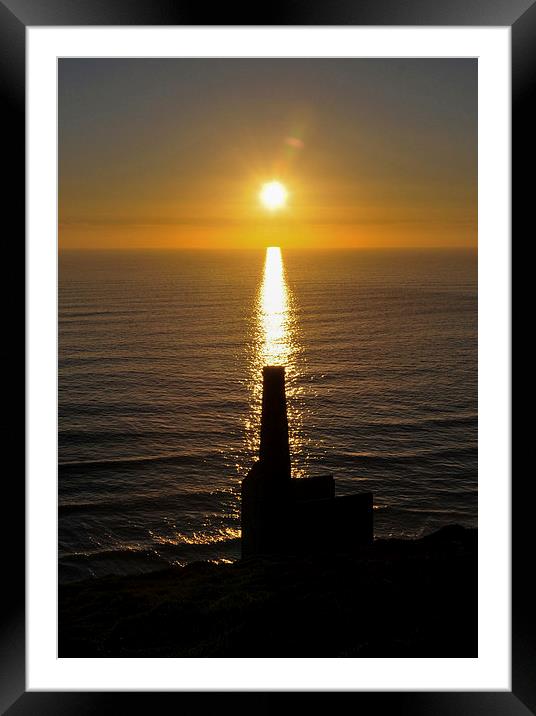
[[268, 355]]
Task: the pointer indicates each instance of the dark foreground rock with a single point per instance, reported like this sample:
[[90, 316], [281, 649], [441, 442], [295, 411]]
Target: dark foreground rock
[[397, 598]]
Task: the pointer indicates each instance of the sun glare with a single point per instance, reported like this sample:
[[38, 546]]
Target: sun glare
[[274, 310], [273, 195]]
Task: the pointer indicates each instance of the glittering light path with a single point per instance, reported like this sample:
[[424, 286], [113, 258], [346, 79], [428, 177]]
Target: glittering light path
[[275, 342]]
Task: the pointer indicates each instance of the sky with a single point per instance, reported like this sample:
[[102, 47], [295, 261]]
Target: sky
[[172, 153]]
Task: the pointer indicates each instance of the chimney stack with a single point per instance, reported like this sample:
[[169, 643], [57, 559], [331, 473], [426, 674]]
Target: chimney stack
[[274, 450], [303, 516]]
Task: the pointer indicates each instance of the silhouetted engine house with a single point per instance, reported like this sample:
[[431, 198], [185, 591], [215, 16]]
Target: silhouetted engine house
[[285, 515]]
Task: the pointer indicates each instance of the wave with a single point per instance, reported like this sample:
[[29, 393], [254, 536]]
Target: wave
[[126, 553], [117, 561], [66, 314], [149, 552], [433, 422], [413, 455], [136, 460], [209, 500]]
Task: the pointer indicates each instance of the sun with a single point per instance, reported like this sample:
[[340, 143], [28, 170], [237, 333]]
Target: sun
[[273, 195]]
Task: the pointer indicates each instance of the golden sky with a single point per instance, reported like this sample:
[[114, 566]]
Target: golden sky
[[172, 153]]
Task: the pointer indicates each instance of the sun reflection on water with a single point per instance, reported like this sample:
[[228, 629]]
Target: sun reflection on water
[[276, 342], [273, 311]]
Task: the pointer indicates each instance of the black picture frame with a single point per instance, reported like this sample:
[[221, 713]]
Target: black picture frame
[[15, 17]]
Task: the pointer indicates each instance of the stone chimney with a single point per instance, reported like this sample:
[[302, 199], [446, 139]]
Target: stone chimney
[[284, 516], [274, 452], [266, 488]]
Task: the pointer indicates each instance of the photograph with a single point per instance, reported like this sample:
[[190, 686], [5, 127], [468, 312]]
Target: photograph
[[266, 262], [267, 357]]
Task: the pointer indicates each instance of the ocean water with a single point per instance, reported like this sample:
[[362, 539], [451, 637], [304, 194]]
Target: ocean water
[[160, 358]]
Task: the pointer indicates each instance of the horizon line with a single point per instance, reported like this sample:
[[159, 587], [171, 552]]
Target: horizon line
[[263, 248]]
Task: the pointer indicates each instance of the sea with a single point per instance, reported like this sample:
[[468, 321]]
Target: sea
[[160, 379]]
